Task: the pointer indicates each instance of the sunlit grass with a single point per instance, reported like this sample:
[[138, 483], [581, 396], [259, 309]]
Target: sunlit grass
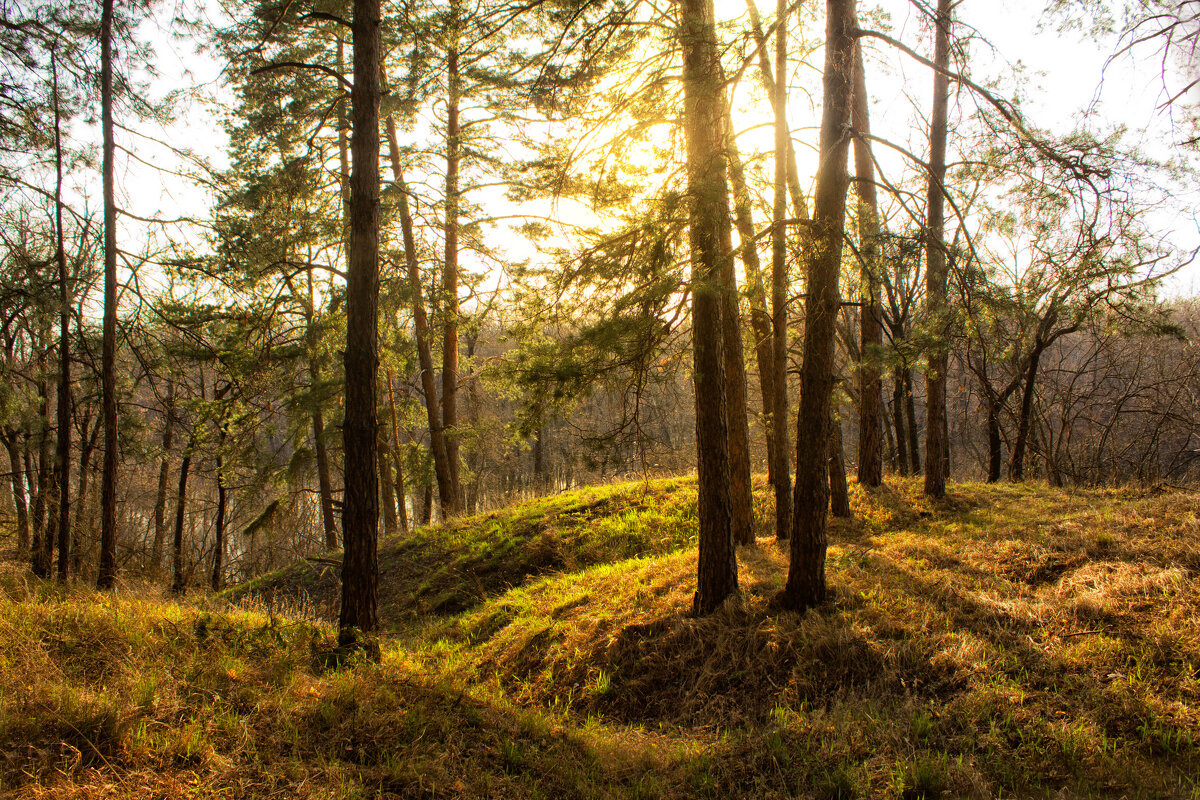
[[1010, 641]]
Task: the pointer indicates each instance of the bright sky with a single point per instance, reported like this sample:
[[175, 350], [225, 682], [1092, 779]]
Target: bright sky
[[1067, 82]]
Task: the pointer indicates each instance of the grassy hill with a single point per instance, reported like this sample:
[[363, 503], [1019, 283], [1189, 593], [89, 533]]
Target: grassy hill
[[1011, 641]]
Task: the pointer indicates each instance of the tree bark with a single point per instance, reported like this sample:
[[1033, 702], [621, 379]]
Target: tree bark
[[178, 581], [360, 510], [18, 491], [779, 288], [397, 456], [324, 481], [437, 435], [870, 384], [935, 260], [741, 496], [898, 421], [219, 523], [164, 464], [43, 503], [799, 205], [717, 565], [62, 454], [450, 265], [427, 505], [995, 455], [839, 493], [87, 445], [910, 411], [387, 486], [760, 318], [1016, 466], [806, 586], [107, 574]]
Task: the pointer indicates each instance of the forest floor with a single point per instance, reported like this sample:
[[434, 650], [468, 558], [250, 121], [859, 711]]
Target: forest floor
[[1010, 641]]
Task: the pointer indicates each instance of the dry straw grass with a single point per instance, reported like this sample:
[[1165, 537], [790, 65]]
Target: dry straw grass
[[1013, 641]]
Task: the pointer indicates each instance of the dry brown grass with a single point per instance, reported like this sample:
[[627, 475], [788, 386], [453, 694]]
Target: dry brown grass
[[1012, 641]]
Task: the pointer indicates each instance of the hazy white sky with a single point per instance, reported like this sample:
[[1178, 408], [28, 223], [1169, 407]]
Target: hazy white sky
[[1066, 82]]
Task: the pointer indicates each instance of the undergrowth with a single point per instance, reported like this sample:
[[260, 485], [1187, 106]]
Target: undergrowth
[[1010, 641]]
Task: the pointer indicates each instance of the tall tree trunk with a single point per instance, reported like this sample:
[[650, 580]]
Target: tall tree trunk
[[107, 573], [839, 493], [50, 534], [33, 482], [995, 455], [18, 491], [320, 448], [1016, 466], [43, 504], [910, 411], [427, 505], [779, 289], [741, 509], [437, 435], [870, 384], [324, 481], [387, 486], [935, 261], [889, 439], [450, 265], [898, 421], [760, 318], [62, 455], [219, 524], [702, 85], [164, 465], [360, 510], [799, 205], [178, 579], [87, 445], [806, 575], [397, 455]]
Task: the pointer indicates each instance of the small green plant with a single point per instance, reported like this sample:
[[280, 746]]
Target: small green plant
[[512, 757], [603, 683], [921, 779], [837, 784]]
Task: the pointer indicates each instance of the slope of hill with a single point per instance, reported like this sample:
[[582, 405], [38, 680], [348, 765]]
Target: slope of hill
[[1014, 640]]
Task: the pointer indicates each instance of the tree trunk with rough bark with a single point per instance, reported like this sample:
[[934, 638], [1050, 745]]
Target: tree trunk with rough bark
[[839, 492], [741, 496], [107, 574], [910, 412], [178, 579], [1016, 466], [219, 523], [387, 485], [164, 465], [898, 421], [62, 453], [995, 453], [437, 436], [779, 289], [717, 563], [397, 456], [358, 615], [43, 502], [806, 585], [18, 490], [760, 318], [935, 261], [870, 384], [450, 307]]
